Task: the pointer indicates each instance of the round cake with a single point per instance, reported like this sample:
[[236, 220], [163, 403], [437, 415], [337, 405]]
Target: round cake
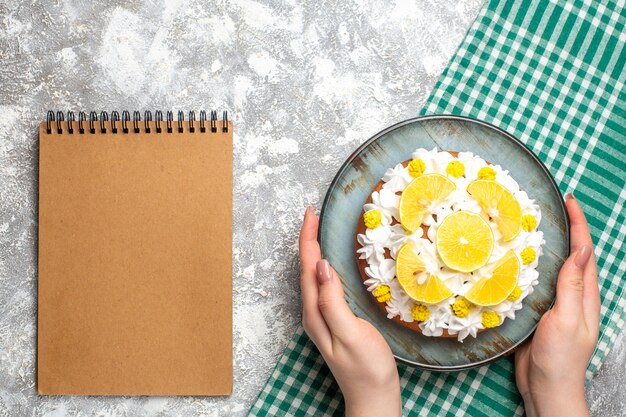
[[448, 244]]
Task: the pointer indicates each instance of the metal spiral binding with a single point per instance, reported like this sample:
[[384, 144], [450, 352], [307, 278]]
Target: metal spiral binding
[[104, 116], [202, 121], [93, 117], [168, 122], [66, 121], [158, 120], [125, 120], [181, 118], [192, 121], [115, 117], [49, 120], [213, 121], [147, 119], [136, 120], [70, 119], [59, 121], [81, 119]]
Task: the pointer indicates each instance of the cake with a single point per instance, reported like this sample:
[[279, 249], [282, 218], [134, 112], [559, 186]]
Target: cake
[[448, 244]]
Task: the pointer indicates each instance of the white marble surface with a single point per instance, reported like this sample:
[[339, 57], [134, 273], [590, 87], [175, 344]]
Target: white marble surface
[[305, 84]]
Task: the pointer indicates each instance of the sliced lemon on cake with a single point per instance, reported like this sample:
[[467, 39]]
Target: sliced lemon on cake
[[419, 196], [464, 241], [494, 289], [416, 282], [500, 204]]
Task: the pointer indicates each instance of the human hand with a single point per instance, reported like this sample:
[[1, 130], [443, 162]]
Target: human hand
[[550, 369], [354, 350]]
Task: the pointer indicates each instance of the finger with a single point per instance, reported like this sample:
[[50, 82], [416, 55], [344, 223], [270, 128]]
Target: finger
[[522, 357], [309, 248], [312, 319], [337, 315], [579, 230], [521, 367], [580, 236], [570, 284], [591, 295]]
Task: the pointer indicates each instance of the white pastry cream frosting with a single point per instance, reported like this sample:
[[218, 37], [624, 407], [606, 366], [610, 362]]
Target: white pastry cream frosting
[[380, 245]]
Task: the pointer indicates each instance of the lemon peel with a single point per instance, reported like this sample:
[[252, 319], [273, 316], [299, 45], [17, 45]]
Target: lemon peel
[[492, 289], [464, 241], [419, 196], [415, 280], [500, 204]]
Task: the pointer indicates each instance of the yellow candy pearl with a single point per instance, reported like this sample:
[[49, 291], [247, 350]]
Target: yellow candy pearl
[[416, 167], [516, 294], [490, 319], [382, 293], [461, 307], [529, 222], [372, 219], [455, 169], [528, 255], [420, 312], [486, 173]]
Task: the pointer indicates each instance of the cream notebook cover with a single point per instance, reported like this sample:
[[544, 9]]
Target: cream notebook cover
[[135, 231]]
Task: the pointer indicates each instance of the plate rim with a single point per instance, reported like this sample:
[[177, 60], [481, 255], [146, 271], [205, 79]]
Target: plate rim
[[539, 162]]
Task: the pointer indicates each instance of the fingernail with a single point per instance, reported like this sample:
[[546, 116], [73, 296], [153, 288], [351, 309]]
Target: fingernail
[[582, 257], [323, 271], [307, 211], [569, 196]]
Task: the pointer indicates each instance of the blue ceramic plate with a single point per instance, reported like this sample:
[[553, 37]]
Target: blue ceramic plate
[[360, 174]]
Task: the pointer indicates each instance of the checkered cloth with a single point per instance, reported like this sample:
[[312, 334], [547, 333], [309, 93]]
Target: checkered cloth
[[551, 73]]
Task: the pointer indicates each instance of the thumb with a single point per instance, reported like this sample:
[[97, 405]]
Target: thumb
[[338, 316], [569, 288], [522, 354]]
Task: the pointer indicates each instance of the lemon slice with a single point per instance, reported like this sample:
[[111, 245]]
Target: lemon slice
[[492, 290], [464, 241], [419, 196], [416, 282], [500, 204]]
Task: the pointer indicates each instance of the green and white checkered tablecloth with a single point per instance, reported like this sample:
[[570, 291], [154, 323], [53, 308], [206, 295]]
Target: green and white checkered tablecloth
[[551, 73]]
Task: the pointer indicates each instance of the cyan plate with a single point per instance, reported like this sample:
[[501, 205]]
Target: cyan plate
[[362, 171]]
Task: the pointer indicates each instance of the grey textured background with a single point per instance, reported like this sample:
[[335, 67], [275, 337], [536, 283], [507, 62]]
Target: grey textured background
[[304, 83]]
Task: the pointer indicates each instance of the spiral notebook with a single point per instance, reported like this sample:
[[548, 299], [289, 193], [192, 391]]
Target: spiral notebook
[[135, 232]]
